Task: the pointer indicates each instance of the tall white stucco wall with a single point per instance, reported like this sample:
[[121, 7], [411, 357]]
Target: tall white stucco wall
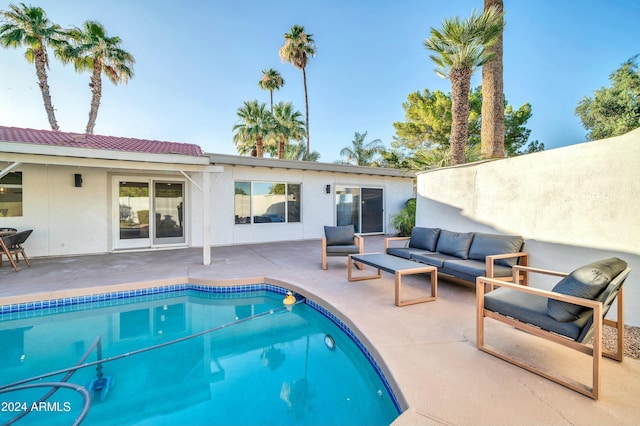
[[572, 205]]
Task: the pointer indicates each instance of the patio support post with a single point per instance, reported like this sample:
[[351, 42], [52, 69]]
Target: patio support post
[[206, 189], [206, 218]]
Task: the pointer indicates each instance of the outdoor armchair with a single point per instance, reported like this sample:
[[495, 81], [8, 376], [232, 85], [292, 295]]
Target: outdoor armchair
[[571, 314], [11, 246], [340, 241]]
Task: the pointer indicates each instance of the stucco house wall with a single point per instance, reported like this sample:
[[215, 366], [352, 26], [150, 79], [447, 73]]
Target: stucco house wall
[[572, 205], [65, 219], [71, 220], [68, 220], [318, 207]]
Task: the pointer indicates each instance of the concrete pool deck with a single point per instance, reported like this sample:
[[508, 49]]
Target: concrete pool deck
[[428, 349]]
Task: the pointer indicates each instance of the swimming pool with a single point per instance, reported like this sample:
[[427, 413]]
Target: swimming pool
[[230, 355]]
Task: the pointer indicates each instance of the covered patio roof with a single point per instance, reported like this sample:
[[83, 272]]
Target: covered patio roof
[[29, 146]]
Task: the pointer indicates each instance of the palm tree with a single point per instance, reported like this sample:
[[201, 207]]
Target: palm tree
[[440, 157], [288, 126], [360, 153], [492, 135], [459, 48], [297, 47], [29, 26], [254, 124], [271, 80], [298, 151], [94, 51]]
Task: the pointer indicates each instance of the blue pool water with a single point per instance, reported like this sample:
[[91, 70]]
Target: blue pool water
[[261, 363]]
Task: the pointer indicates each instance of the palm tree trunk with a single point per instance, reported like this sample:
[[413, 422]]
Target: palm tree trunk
[[306, 105], [259, 147], [282, 147], [492, 133], [41, 72], [271, 92], [96, 95], [460, 86]]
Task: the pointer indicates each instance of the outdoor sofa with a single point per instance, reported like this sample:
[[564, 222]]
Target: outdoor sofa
[[463, 255]]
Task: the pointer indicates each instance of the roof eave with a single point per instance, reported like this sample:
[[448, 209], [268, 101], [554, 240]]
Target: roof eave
[[26, 148], [238, 160]]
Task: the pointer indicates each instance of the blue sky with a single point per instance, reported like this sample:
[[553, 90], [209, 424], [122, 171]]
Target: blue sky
[[197, 61]]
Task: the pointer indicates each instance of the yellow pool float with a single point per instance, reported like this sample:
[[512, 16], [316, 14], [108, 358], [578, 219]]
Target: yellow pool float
[[289, 299]]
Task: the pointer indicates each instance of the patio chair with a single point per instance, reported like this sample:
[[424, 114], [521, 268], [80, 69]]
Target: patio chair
[[11, 246], [570, 314], [340, 241]]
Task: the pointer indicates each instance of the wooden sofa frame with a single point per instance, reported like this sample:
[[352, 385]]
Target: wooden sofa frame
[[595, 351]]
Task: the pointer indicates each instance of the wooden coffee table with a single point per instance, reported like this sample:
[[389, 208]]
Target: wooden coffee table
[[399, 267]]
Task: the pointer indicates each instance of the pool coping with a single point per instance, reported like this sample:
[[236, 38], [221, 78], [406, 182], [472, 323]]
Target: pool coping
[[62, 298]]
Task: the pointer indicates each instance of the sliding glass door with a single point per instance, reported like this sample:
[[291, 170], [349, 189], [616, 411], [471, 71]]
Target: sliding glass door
[[361, 207], [372, 209], [168, 207], [150, 212], [133, 207]]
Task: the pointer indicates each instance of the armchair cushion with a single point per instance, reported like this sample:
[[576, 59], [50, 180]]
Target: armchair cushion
[[424, 238], [342, 250], [532, 309], [484, 245], [339, 235], [587, 282], [455, 243]]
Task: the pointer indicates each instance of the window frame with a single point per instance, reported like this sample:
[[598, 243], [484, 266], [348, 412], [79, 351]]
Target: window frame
[[19, 193], [288, 216]]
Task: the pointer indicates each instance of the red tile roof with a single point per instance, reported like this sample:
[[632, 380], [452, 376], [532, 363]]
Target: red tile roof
[[81, 140]]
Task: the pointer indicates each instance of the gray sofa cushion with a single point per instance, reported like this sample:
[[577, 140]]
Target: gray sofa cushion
[[424, 238], [484, 245], [339, 235], [455, 243], [476, 268], [432, 259], [406, 252], [587, 282]]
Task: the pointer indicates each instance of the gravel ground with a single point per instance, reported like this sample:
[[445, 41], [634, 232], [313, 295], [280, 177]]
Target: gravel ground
[[631, 340]]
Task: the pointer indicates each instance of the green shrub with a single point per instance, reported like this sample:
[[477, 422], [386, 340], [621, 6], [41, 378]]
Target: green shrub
[[406, 219]]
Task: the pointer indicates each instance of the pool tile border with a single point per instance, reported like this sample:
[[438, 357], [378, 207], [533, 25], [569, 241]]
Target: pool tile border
[[19, 308], [22, 310]]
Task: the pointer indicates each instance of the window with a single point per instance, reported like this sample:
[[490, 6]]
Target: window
[[243, 202], [266, 202], [11, 195]]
